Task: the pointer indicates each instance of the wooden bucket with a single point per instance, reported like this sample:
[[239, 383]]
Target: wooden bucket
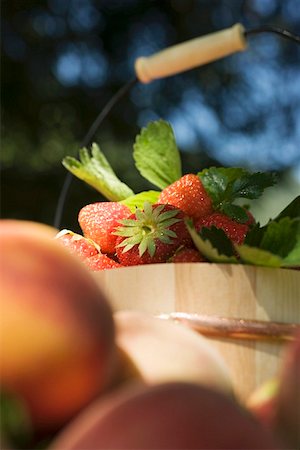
[[249, 313]]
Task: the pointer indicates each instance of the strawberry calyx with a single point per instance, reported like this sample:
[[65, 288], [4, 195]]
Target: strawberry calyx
[[147, 225]]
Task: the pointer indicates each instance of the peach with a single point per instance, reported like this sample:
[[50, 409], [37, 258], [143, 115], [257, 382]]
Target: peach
[[287, 420], [156, 351], [57, 332], [277, 402], [262, 402], [164, 416], [4, 443]]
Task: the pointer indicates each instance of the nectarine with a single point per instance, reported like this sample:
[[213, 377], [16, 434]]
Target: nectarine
[[165, 416], [156, 351], [287, 418], [277, 402], [57, 330]]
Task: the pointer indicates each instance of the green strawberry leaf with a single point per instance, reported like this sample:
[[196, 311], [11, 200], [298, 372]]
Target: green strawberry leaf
[[236, 212], [252, 185], [96, 171], [292, 210], [218, 239], [138, 200], [278, 237], [293, 258], [254, 235], [281, 237], [276, 244], [257, 256], [225, 185], [216, 181], [212, 249], [156, 154]]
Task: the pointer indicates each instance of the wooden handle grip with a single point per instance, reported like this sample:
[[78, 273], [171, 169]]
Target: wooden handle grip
[[190, 54]]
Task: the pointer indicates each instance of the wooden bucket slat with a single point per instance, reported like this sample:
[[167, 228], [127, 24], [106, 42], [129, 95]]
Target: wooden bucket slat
[[223, 290]]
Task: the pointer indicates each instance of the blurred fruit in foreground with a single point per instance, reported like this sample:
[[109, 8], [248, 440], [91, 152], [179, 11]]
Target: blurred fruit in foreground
[[157, 351], [287, 420], [263, 400], [277, 402], [165, 416], [57, 330], [15, 424]]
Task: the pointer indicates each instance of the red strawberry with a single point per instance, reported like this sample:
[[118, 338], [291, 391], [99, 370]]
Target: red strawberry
[[101, 262], [234, 230], [188, 255], [152, 235], [77, 244], [189, 195], [99, 220]]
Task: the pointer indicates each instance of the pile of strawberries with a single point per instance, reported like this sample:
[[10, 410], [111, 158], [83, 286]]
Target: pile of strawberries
[[114, 237]]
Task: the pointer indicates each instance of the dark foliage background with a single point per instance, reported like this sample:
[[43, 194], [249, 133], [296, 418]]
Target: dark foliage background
[[62, 60]]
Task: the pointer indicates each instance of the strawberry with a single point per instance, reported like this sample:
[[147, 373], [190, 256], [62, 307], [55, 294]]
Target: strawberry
[[188, 255], [99, 220], [189, 195], [101, 262], [77, 244], [234, 230], [152, 235]]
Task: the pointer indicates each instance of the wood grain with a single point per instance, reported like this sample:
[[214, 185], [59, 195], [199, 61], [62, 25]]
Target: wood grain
[[216, 290]]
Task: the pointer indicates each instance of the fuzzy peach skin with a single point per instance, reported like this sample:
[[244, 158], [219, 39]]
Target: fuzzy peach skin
[[164, 416], [57, 331], [157, 351], [277, 403], [262, 401], [287, 419]]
